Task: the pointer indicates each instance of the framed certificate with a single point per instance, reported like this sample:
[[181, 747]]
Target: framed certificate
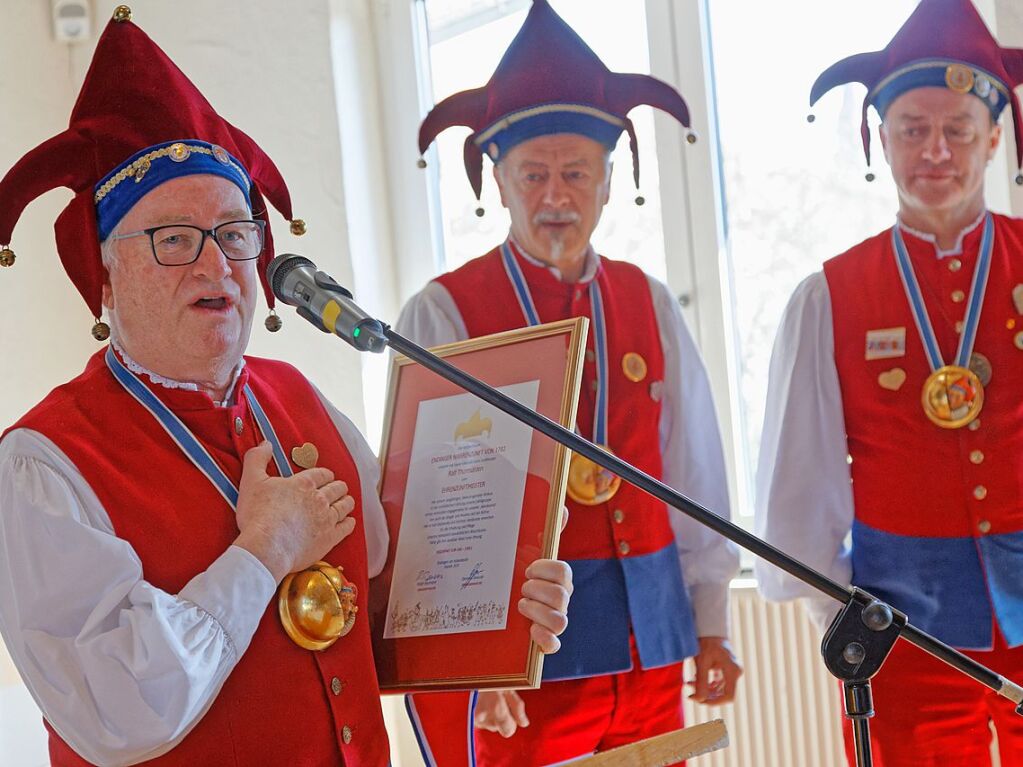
[[471, 496]]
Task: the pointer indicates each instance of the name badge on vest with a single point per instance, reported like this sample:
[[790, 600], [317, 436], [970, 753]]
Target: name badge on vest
[[885, 343]]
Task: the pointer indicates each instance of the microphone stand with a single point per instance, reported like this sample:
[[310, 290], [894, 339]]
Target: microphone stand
[[858, 640]]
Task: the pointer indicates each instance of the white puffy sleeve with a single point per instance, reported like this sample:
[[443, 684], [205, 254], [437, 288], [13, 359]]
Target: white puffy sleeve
[[804, 487], [120, 669], [431, 318], [694, 464]]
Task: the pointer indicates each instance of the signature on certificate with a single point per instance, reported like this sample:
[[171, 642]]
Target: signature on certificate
[[475, 576]]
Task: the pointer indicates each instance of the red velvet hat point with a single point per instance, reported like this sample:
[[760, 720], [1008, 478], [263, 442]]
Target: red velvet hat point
[[133, 98], [549, 81]]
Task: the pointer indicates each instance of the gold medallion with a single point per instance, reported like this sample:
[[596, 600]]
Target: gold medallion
[[959, 78], [305, 455], [952, 396], [589, 483], [317, 606], [981, 365], [634, 367]]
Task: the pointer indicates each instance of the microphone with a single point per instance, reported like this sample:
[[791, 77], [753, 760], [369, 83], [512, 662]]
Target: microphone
[[296, 281]]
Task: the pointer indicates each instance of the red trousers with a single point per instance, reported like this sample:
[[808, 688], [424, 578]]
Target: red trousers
[[930, 715], [579, 716]]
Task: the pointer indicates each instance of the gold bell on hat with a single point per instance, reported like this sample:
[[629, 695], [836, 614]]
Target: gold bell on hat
[[317, 606], [272, 322], [6, 256], [298, 227], [100, 330], [122, 13]]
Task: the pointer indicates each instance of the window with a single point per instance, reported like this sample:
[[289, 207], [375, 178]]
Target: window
[[789, 187]]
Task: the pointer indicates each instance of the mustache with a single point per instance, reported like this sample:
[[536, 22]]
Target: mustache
[[556, 217]]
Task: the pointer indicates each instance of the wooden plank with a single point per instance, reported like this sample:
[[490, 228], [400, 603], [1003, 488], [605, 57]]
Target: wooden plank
[[663, 750]]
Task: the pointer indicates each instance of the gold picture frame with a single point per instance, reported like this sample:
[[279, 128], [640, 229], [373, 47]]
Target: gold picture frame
[[449, 654]]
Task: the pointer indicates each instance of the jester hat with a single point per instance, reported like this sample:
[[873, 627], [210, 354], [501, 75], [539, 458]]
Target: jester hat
[[944, 43], [138, 121], [548, 81]]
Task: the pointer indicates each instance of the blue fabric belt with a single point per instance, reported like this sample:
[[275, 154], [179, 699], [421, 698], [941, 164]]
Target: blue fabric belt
[[645, 592], [940, 582]]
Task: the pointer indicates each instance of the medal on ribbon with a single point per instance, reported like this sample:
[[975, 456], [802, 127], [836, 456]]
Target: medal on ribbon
[[953, 395], [589, 483], [316, 606]]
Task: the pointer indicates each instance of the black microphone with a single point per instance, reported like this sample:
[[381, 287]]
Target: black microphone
[[296, 281]]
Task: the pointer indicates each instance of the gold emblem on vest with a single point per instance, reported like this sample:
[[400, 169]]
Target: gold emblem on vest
[[317, 606], [590, 484], [634, 367], [952, 396]]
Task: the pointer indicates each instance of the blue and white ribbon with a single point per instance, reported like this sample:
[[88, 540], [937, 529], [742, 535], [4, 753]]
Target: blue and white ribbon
[[518, 281], [183, 436], [529, 313], [978, 287]]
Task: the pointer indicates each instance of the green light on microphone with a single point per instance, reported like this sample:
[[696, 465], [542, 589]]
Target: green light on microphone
[[356, 332]]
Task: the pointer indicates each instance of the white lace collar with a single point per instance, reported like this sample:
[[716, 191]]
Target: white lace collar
[[169, 383], [589, 269], [956, 249]]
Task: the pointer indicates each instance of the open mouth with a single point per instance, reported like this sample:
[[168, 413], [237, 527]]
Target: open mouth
[[216, 304]]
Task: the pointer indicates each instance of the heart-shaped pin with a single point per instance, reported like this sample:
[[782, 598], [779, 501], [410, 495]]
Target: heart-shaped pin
[[892, 379], [305, 456], [1017, 298]]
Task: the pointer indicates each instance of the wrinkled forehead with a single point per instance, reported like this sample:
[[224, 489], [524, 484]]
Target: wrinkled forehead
[[203, 200]]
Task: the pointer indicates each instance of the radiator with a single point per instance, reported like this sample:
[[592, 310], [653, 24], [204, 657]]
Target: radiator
[[788, 709]]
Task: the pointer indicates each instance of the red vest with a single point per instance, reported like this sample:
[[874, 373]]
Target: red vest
[[631, 529], [278, 705], [948, 497]]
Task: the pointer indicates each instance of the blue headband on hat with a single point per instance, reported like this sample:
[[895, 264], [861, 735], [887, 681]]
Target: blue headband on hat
[[118, 191], [546, 119], [942, 73]]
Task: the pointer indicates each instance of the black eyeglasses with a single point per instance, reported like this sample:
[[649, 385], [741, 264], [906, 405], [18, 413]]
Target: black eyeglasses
[[181, 244]]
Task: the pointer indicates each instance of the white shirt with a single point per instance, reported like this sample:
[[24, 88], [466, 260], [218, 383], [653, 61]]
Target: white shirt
[[693, 459], [123, 670], [803, 467]]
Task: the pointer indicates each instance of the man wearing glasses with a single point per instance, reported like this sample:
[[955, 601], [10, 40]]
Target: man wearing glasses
[[150, 507]]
